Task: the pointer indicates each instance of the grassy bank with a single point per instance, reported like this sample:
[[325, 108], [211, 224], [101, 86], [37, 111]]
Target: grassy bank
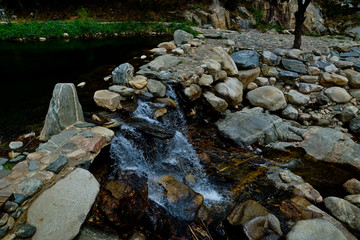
[[74, 29]]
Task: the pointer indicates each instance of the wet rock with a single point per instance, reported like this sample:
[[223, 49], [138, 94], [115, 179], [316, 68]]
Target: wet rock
[[290, 112], [246, 59], [10, 206], [64, 206], [151, 128], [107, 99], [58, 164], [354, 199], [344, 211], [64, 110], [332, 79], [314, 229], [352, 186], [297, 98], [338, 94], [124, 199], [253, 126], [325, 66], [248, 76], [217, 103], [123, 74], [160, 112], [267, 97], [167, 102], [245, 212], [157, 88], [89, 233], [330, 145], [294, 66], [193, 92], [354, 78], [31, 186], [355, 125], [181, 37], [348, 113], [322, 99], [182, 200], [288, 75], [227, 63], [309, 88], [232, 90]]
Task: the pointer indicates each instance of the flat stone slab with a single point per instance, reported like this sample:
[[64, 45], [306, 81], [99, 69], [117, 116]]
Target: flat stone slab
[[60, 211]]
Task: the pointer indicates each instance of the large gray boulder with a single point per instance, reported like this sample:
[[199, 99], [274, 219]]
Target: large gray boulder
[[330, 145], [267, 97], [344, 211], [253, 126], [123, 74], [163, 62], [64, 110], [60, 211], [315, 229]]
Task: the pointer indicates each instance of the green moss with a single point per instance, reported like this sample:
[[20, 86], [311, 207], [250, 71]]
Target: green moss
[[56, 29]]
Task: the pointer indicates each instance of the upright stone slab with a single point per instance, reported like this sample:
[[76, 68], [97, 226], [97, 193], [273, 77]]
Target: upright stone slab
[[64, 110], [60, 211], [123, 74]]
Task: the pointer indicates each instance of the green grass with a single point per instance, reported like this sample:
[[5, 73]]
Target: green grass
[[56, 29]]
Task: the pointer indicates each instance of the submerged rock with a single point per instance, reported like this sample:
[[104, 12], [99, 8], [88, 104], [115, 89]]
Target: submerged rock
[[182, 200], [151, 128], [64, 110]]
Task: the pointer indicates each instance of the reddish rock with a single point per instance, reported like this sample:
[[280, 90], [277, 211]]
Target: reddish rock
[[93, 144]]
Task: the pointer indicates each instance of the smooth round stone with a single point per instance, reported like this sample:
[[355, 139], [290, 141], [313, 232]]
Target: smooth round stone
[[3, 218], [16, 145], [25, 231], [84, 125], [338, 94]]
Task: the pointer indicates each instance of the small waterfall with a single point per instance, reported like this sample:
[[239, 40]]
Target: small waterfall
[[133, 150]]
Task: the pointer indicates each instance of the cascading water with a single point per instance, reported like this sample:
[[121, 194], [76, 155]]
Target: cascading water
[[154, 157]]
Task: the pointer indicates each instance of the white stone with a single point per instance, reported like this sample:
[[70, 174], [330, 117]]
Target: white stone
[[81, 85], [59, 212], [267, 97], [177, 51], [16, 144], [206, 80]]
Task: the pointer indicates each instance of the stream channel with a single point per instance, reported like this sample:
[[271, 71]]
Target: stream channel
[[191, 152]]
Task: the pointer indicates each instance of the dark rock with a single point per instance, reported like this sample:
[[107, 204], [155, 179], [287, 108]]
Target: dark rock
[[84, 165], [18, 159], [350, 54], [4, 173], [19, 198], [17, 213], [64, 110], [246, 59], [124, 199], [25, 231], [294, 65], [31, 186], [10, 206], [3, 230], [324, 66], [33, 165], [287, 75], [84, 125], [88, 134], [322, 99], [151, 128], [58, 164], [146, 96], [213, 35], [355, 125]]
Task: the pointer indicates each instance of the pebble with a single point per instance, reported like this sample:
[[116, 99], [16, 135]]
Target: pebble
[[18, 212], [10, 206], [3, 218], [15, 145]]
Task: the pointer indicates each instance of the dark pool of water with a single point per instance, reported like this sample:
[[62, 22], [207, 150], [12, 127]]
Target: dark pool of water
[[29, 72]]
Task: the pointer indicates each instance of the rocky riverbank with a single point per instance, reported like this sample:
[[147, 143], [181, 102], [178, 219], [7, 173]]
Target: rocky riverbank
[[259, 98]]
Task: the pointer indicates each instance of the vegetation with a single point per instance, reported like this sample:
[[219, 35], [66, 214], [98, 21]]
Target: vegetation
[[56, 29]]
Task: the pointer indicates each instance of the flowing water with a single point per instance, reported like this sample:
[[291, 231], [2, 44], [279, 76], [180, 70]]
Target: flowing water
[[154, 157]]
